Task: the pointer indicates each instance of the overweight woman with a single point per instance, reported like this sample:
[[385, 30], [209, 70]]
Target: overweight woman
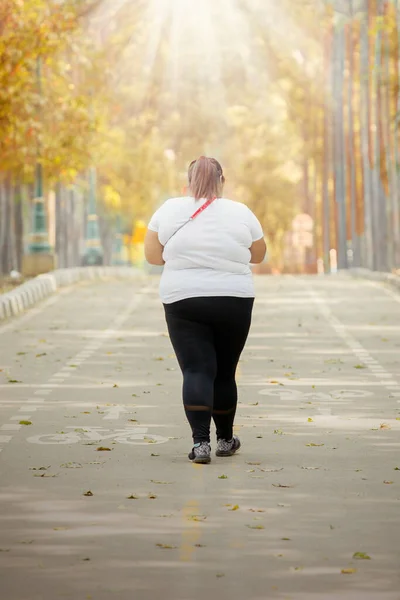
[[206, 244]]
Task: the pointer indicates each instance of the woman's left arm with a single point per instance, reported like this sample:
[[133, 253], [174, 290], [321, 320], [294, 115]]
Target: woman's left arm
[[153, 249]]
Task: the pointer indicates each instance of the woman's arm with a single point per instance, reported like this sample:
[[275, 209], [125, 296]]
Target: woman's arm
[[258, 251], [153, 249]]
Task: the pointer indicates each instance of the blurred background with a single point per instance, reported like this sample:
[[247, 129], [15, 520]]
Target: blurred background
[[104, 103]]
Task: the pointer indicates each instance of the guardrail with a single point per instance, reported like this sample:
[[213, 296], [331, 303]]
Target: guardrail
[[31, 292]]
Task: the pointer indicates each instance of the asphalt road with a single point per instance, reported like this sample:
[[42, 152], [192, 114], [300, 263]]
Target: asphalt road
[[309, 509]]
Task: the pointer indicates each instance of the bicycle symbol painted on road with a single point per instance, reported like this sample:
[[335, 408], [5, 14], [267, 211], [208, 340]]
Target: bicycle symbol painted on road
[[129, 435]]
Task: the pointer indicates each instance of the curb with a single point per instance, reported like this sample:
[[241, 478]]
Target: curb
[[30, 293], [389, 278]]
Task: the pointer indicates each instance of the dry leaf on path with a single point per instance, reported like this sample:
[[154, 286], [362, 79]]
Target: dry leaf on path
[[348, 571], [361, 556]]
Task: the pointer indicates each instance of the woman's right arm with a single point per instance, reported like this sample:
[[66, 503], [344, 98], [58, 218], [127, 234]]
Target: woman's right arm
[[258, 251]]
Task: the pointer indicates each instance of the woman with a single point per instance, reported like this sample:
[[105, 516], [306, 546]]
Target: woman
[[207, 243]]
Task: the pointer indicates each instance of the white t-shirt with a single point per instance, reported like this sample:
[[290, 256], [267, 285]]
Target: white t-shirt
[[210, 256]]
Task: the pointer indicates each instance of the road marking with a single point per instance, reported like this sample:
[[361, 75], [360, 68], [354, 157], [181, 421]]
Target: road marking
[[114, 412], [341, 330], [33, 312], [395, 296], [66, 371], [4, 439]]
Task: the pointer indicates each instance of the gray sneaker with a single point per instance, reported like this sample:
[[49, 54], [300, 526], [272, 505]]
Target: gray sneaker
[[228, 447], [201, 453]]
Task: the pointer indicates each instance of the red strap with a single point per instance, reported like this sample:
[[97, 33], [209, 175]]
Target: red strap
[[200, 210]]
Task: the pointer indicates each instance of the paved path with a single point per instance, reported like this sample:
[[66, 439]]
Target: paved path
[[316, 482]]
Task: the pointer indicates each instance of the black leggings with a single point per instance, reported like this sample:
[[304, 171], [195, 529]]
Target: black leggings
[[208, 336]]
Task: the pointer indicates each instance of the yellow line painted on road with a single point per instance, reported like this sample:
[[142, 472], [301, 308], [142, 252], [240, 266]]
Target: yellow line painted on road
[[191, 534]]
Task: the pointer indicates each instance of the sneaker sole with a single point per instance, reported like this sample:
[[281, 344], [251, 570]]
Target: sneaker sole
[[202, 461], [225, 454]]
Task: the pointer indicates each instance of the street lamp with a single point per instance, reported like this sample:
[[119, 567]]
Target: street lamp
[[40, 258]]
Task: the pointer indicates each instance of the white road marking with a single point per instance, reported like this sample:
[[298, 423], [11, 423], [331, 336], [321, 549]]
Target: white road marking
[[4, 439], [114, 412], [33, 312], [67, 371]]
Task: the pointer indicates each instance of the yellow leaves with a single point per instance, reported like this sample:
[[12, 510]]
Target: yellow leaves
[[348, 571]]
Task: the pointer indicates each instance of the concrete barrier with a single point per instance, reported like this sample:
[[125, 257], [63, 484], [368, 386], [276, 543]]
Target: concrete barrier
[[30, 293]]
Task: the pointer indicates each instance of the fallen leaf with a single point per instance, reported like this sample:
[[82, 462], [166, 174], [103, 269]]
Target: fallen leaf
[[259, 437], [45, 475], [41, 354], [253, 463], [310, 468], [71, 465], [278, 431], [348, 571], [132, 497], [154, 454], [312, 445], [166, 547], [222, 476], [388, 482], [39, 468], [103, 449], [89, 493], [361, 556], [60, 528], [115, 385], [384, 426], [196, 518], [85, 559], [162, 482], [279, 485], [271, 470], [255, 526], [254, 404], [396, 469], [219, 575], [256, 510], [360, 367], [236, 507], [310, 420], [199, 546], [152, 496], [285, 539], [14, 381]]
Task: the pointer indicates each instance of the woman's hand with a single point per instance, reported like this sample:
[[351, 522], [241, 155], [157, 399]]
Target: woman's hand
[[153, 249], [258, 251]]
